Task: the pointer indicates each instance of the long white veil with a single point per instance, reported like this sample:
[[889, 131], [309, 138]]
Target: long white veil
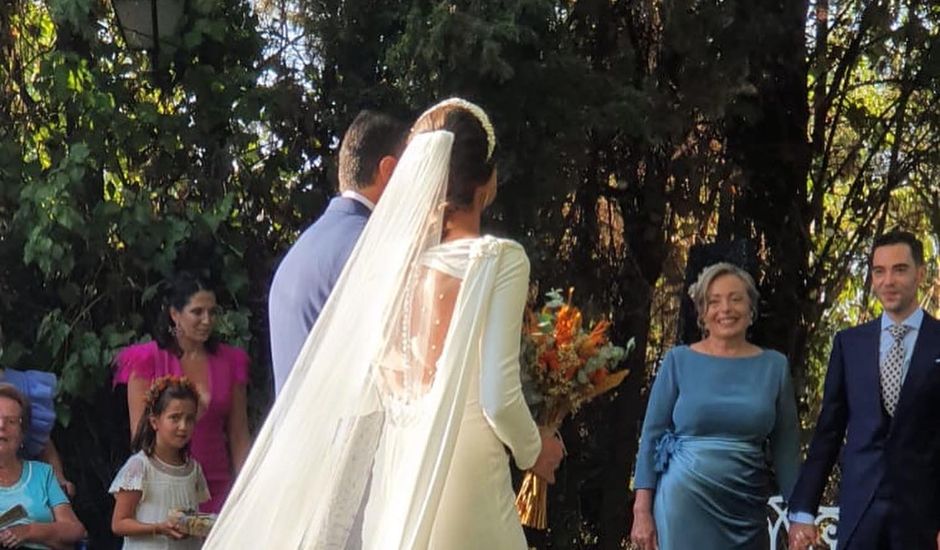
[[306, 482]]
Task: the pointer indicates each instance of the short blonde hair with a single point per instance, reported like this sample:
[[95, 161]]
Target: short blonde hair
[[698, 291]]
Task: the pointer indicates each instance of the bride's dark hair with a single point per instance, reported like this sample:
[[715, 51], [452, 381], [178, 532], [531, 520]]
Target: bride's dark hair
[[469, 166]]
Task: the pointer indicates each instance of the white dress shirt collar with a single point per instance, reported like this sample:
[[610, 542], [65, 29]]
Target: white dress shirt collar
[[350, 194], [913, 320]]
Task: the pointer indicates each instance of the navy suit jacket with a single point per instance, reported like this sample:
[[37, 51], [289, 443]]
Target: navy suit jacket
[[899, 458], [306, 276]]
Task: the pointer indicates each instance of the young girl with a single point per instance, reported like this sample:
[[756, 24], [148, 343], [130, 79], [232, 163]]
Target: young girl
[[161, 475]]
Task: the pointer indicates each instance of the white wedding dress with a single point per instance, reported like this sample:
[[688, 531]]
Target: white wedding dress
[[476, 506], [391, 431]]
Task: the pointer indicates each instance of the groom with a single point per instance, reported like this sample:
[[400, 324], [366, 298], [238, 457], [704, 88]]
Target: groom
[[881, 408], [309, 270]]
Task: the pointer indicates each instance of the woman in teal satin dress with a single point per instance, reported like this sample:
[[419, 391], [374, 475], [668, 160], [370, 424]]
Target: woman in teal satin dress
[[720, 426]]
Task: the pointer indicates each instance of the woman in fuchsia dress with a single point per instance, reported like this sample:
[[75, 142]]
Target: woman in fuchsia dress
[[185, 346]]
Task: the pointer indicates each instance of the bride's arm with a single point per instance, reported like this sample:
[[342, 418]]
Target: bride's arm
[[500, 387]]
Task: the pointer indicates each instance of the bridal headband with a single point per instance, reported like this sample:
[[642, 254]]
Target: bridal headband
[[477, 112]]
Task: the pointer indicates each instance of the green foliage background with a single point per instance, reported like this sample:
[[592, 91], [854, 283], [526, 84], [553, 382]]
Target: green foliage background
[[629, 132]]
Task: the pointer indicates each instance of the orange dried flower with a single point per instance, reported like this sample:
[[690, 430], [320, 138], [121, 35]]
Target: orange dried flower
[[598, 376], [572, 370], [594, 340], [567, 324], [550, 359]]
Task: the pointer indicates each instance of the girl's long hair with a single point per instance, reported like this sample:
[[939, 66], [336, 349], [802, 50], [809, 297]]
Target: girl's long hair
[[161, 392]]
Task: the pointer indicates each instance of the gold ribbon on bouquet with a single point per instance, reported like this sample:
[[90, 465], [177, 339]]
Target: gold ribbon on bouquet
[[532, 499]]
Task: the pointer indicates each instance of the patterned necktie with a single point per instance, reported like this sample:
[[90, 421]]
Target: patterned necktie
[[891, 368]]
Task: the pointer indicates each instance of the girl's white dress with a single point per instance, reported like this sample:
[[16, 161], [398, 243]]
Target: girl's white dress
[[164, 487]]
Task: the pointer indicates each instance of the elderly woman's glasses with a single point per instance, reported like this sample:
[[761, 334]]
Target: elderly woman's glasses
[[11, 420]]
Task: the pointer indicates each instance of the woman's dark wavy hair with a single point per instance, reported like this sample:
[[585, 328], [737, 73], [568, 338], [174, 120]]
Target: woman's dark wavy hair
[[161, 393], [469, 166], [180, 289]]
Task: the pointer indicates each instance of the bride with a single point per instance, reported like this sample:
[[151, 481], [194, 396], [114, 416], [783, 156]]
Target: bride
[[393, 428]]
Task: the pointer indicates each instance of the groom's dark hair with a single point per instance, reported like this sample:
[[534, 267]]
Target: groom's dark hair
[[897, 236], [370, 137]]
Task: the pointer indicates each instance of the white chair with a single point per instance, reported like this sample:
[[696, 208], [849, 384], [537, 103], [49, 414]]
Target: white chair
[[778, 524]]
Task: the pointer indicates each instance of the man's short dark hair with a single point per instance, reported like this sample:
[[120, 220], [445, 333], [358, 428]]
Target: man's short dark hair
[[371, 136], [897, 236]]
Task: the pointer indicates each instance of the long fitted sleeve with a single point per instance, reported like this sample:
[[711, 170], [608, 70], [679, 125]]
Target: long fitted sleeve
[[658, 419], [500, 386], [785, 437]]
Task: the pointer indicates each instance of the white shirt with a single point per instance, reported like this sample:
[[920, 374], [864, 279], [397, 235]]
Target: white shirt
[[350, 194]]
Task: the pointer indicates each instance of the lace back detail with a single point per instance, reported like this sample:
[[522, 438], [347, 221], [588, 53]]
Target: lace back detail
[[408, 369]]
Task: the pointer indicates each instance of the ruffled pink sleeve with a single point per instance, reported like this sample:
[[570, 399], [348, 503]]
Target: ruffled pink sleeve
[[238, 362], [137, 360]]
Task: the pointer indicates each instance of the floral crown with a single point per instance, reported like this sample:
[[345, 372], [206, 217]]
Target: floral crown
[[477, 112], [161, 384]]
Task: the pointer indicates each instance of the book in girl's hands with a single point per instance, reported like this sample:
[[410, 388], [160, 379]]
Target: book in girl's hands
[[12, 516]]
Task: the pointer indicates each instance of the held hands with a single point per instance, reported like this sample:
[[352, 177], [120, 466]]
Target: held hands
[[803, 535], [549, 457], [643, 533]]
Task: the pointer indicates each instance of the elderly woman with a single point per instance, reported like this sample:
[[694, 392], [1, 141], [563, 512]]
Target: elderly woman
[[49, 521], [717, 410], [39, 389]]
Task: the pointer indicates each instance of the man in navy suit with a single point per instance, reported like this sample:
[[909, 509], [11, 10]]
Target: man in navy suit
[[306, 276], [881, 408]]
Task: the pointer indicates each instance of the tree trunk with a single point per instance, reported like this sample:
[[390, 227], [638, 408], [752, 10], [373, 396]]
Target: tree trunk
[[773, 152]]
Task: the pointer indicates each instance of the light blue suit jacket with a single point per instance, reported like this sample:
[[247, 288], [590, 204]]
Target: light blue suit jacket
[[306, 276]]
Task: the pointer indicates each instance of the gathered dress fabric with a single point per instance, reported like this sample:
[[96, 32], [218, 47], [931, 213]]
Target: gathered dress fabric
[[717, 432], [228, 366]]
